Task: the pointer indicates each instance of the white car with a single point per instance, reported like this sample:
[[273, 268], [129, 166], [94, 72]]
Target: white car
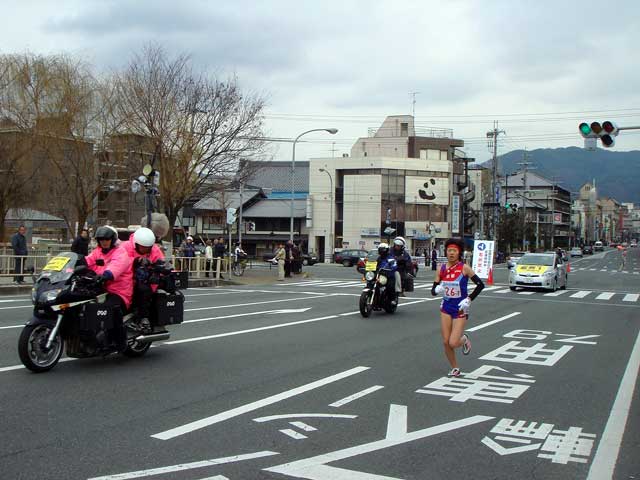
[[539, 270]]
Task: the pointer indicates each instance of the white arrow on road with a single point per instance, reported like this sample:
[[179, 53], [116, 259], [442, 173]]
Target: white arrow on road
[[248, 314]]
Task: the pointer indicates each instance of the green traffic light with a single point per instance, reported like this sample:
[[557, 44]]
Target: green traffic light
[[585, 129]]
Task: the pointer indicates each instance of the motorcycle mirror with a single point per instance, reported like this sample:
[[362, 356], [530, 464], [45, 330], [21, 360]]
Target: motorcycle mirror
[[135, 186]]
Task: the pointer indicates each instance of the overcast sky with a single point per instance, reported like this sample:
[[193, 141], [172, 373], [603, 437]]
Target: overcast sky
[[539, 68]]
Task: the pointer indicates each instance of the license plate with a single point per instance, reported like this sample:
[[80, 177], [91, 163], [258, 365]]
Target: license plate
[[528, 280], [56, 264]]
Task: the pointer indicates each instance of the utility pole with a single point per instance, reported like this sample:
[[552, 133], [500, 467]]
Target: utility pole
[[524, 164], [413, 104], [240, 224], [493, 143]]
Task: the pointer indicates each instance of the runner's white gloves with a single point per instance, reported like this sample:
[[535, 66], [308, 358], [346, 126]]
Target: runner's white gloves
[[464, 305], [439, 289]]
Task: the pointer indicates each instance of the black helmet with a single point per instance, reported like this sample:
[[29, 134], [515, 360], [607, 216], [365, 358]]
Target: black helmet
[[383, 249], [106, 233], [457, 242]]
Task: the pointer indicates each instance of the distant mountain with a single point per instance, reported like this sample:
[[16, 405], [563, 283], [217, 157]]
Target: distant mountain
[[617, 174]]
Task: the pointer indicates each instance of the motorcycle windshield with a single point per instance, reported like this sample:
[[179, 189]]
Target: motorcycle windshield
[[60, 268]]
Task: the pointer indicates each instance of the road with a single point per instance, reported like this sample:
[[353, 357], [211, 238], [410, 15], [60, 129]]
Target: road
[[285, 381]]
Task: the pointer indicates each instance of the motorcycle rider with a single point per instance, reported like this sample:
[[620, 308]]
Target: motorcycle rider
[[384, 254], [114, 267], [403, 260], [144, 252]]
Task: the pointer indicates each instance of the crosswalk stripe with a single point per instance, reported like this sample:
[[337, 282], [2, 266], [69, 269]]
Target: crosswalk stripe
[[580, 294], [631, 297], [488, 289], [329, 284], [555, 294], [592, 269], [604, 270], [605, 296], [526, 293], [506, 290], [350, 284], [308, 282], [426, 285]]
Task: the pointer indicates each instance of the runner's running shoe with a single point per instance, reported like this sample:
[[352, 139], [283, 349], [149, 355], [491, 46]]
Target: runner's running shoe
[[466, 344], [455, 372]]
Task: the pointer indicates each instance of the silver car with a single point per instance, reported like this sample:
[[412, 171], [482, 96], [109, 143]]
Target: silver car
[[539, 270]]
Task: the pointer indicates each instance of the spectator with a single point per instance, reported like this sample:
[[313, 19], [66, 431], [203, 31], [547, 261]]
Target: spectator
[[188, 251], [81, 244], [280, 258], [296, 265], [218, 252], [208, 255], [288, 259], [19, 245], [434, 258]]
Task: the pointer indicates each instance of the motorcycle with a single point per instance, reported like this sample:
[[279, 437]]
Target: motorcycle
[[380, 292], [69, 311]]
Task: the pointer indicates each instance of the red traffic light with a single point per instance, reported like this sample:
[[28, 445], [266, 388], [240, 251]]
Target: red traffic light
[[610, 127]]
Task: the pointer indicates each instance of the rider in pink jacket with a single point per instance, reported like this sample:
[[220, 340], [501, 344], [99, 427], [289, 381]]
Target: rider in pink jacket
[[114, 264]]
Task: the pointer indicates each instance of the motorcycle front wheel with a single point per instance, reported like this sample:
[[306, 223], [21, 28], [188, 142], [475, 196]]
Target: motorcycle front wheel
[[365, 306], [33, 351]]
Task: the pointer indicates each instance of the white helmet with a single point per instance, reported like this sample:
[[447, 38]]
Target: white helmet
[[400, 242], [144, 237]]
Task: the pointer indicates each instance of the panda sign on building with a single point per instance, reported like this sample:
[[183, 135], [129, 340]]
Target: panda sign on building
[[425, 190]]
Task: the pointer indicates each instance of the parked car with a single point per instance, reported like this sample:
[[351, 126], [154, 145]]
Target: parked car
[[598, 247], [587, 250], [576, 252], [372, 256], [349, 258], [539, 270]]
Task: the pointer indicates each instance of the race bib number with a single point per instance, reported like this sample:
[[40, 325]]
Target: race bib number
[[56, 264], [451, 290]]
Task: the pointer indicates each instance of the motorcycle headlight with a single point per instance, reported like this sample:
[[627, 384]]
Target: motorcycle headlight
[[382, 279], [50, 295], [369, 276], [34, 294]]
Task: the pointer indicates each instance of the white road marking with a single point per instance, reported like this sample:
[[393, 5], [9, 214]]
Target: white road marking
[[249, 314], [492, 322], [316, 468], [293, 434], [592, 269], [526, 292], [506, 290], [351, 284], [271, 418], [251, 303], [580, 294], [605, 296], [234, 412], [488, 289], [303, 426], [11, 326], [186, 466], [14, 300], [355, 396], [16, 306], [604, 461], [557, 293], [306, 282], [631, 297]]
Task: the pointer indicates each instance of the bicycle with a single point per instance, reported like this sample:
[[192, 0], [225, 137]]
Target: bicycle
[[238, 267]]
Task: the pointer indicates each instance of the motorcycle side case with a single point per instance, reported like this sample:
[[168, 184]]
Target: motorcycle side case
[[167, 309], [97, 317]]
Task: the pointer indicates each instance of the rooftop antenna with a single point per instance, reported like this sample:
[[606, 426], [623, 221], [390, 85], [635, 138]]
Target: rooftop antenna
[[413, 103]]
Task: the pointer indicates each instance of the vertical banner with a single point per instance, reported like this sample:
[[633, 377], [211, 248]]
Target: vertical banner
[[482, 257], [455, 213]]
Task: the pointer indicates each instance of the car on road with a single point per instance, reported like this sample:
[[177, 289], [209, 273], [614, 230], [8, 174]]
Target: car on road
[[349, 258], [307, 258], [587, 250], [372, 256], [512, 259], [539, 270], [598, 247], [576, 252]]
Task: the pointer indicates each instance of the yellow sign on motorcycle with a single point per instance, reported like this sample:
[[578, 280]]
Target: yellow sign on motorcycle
[[370, 266], [56, 264]]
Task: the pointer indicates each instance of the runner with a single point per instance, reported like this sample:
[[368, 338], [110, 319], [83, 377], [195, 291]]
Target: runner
[[451, 281]]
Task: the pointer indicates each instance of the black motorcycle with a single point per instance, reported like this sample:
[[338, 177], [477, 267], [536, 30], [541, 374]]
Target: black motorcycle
[[69, 311], [380, 292]]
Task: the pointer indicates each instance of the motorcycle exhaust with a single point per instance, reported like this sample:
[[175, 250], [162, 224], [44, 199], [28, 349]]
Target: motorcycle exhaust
[[155, 337]]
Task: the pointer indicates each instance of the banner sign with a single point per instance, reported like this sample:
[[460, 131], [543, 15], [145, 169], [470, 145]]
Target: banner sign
[[483, 257], [455, 213]]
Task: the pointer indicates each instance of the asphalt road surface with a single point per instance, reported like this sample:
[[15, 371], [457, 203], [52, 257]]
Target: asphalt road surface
[[287, 380]]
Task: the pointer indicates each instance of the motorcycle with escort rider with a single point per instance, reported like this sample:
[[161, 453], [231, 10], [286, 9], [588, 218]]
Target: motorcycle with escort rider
[[380, 292], [121, 298]]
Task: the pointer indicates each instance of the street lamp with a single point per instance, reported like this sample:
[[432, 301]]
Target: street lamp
[[332, 131], [330, 255]]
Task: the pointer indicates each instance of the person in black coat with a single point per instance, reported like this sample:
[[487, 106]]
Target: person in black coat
[[19, 245], [81, 244]]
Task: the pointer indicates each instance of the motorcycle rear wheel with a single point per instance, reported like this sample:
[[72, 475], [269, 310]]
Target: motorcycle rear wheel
[[390, 307], [136, 349], [365, 306], [32, 348]]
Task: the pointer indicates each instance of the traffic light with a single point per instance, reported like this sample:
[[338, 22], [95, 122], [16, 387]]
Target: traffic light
[[511, 207], [231, 215], [605, 131]]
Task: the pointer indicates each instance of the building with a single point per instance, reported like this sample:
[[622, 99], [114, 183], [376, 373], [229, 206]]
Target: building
[[399, 180]]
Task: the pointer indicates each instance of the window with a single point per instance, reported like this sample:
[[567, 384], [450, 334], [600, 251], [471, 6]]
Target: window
[[404, 129], [212, 222]]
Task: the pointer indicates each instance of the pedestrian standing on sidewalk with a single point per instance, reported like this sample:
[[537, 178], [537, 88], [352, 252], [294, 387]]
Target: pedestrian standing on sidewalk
[[280, 258], [451, 281], [81, 244], [434, 258], [19, 245], [218, 253], [208, 256]]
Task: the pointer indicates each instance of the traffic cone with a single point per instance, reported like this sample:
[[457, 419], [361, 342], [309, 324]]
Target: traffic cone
[[568, 268], [490, 279]]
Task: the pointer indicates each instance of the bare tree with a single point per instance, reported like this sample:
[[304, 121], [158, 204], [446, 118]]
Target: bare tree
[[58, 103], [201, 126]]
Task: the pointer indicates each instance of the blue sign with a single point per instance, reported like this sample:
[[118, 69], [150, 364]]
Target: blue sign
[[482, 246]]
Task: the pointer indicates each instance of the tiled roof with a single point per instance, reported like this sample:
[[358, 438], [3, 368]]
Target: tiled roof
[[277, 176], [24, 214], [276, 208]]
